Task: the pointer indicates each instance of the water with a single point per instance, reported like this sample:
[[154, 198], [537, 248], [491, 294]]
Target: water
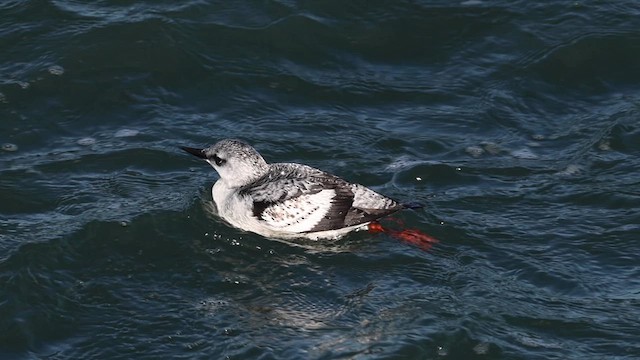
[[516, 123]]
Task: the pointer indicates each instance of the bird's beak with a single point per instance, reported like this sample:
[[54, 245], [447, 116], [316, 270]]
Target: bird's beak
[[195, 152]]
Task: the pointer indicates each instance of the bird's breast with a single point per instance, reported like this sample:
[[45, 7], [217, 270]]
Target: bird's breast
[[222, 196]]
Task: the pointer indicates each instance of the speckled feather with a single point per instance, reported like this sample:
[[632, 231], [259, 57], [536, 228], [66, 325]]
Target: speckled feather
[[292, 193]]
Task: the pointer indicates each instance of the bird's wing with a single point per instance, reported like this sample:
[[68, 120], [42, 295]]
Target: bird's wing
[[298, 198]]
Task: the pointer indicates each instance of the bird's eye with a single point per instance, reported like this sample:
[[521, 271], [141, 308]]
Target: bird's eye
[[219, 161]]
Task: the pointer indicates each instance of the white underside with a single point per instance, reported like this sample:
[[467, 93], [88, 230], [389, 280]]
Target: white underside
[[319, 235]]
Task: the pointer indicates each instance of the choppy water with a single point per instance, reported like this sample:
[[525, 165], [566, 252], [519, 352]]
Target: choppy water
[[516, 122]]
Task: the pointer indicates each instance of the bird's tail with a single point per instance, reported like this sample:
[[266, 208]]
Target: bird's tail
[[412, 205]]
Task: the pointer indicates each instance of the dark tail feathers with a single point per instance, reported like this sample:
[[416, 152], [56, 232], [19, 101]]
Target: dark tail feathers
[[412, 205]]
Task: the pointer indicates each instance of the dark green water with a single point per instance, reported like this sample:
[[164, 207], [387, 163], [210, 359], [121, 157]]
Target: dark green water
[[517, 123]]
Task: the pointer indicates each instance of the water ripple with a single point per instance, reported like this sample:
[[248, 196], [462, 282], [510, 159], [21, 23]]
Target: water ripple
[[515, 123]]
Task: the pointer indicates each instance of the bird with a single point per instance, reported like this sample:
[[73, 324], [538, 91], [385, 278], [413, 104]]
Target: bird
[[288, 200]]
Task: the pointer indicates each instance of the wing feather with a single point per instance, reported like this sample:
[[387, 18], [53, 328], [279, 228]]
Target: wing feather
[[299, 198], [294, 196]]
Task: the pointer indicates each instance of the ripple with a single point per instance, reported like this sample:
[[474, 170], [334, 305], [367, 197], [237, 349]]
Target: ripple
[[514, 123], [9, 147], [126, 133], [56, 70], [87, 141], [571, 170], [589, 57], [474, 151], [524, 153]]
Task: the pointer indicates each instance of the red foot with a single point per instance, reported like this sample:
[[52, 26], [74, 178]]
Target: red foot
[[411, 236], [415, 237], [375, 227]]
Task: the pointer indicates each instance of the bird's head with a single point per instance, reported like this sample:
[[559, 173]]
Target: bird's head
[[236, 162]]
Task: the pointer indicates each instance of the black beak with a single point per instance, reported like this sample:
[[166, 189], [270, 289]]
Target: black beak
[[195, 152]]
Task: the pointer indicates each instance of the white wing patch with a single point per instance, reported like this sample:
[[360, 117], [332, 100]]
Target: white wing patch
[[299, 214]]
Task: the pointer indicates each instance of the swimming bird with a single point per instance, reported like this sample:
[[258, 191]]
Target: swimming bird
[[288, 200]]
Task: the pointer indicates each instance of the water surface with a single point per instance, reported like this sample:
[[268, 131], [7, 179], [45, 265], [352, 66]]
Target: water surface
[[516, 123]]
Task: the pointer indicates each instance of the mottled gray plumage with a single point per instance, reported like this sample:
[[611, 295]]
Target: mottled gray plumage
[[287, 200]]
